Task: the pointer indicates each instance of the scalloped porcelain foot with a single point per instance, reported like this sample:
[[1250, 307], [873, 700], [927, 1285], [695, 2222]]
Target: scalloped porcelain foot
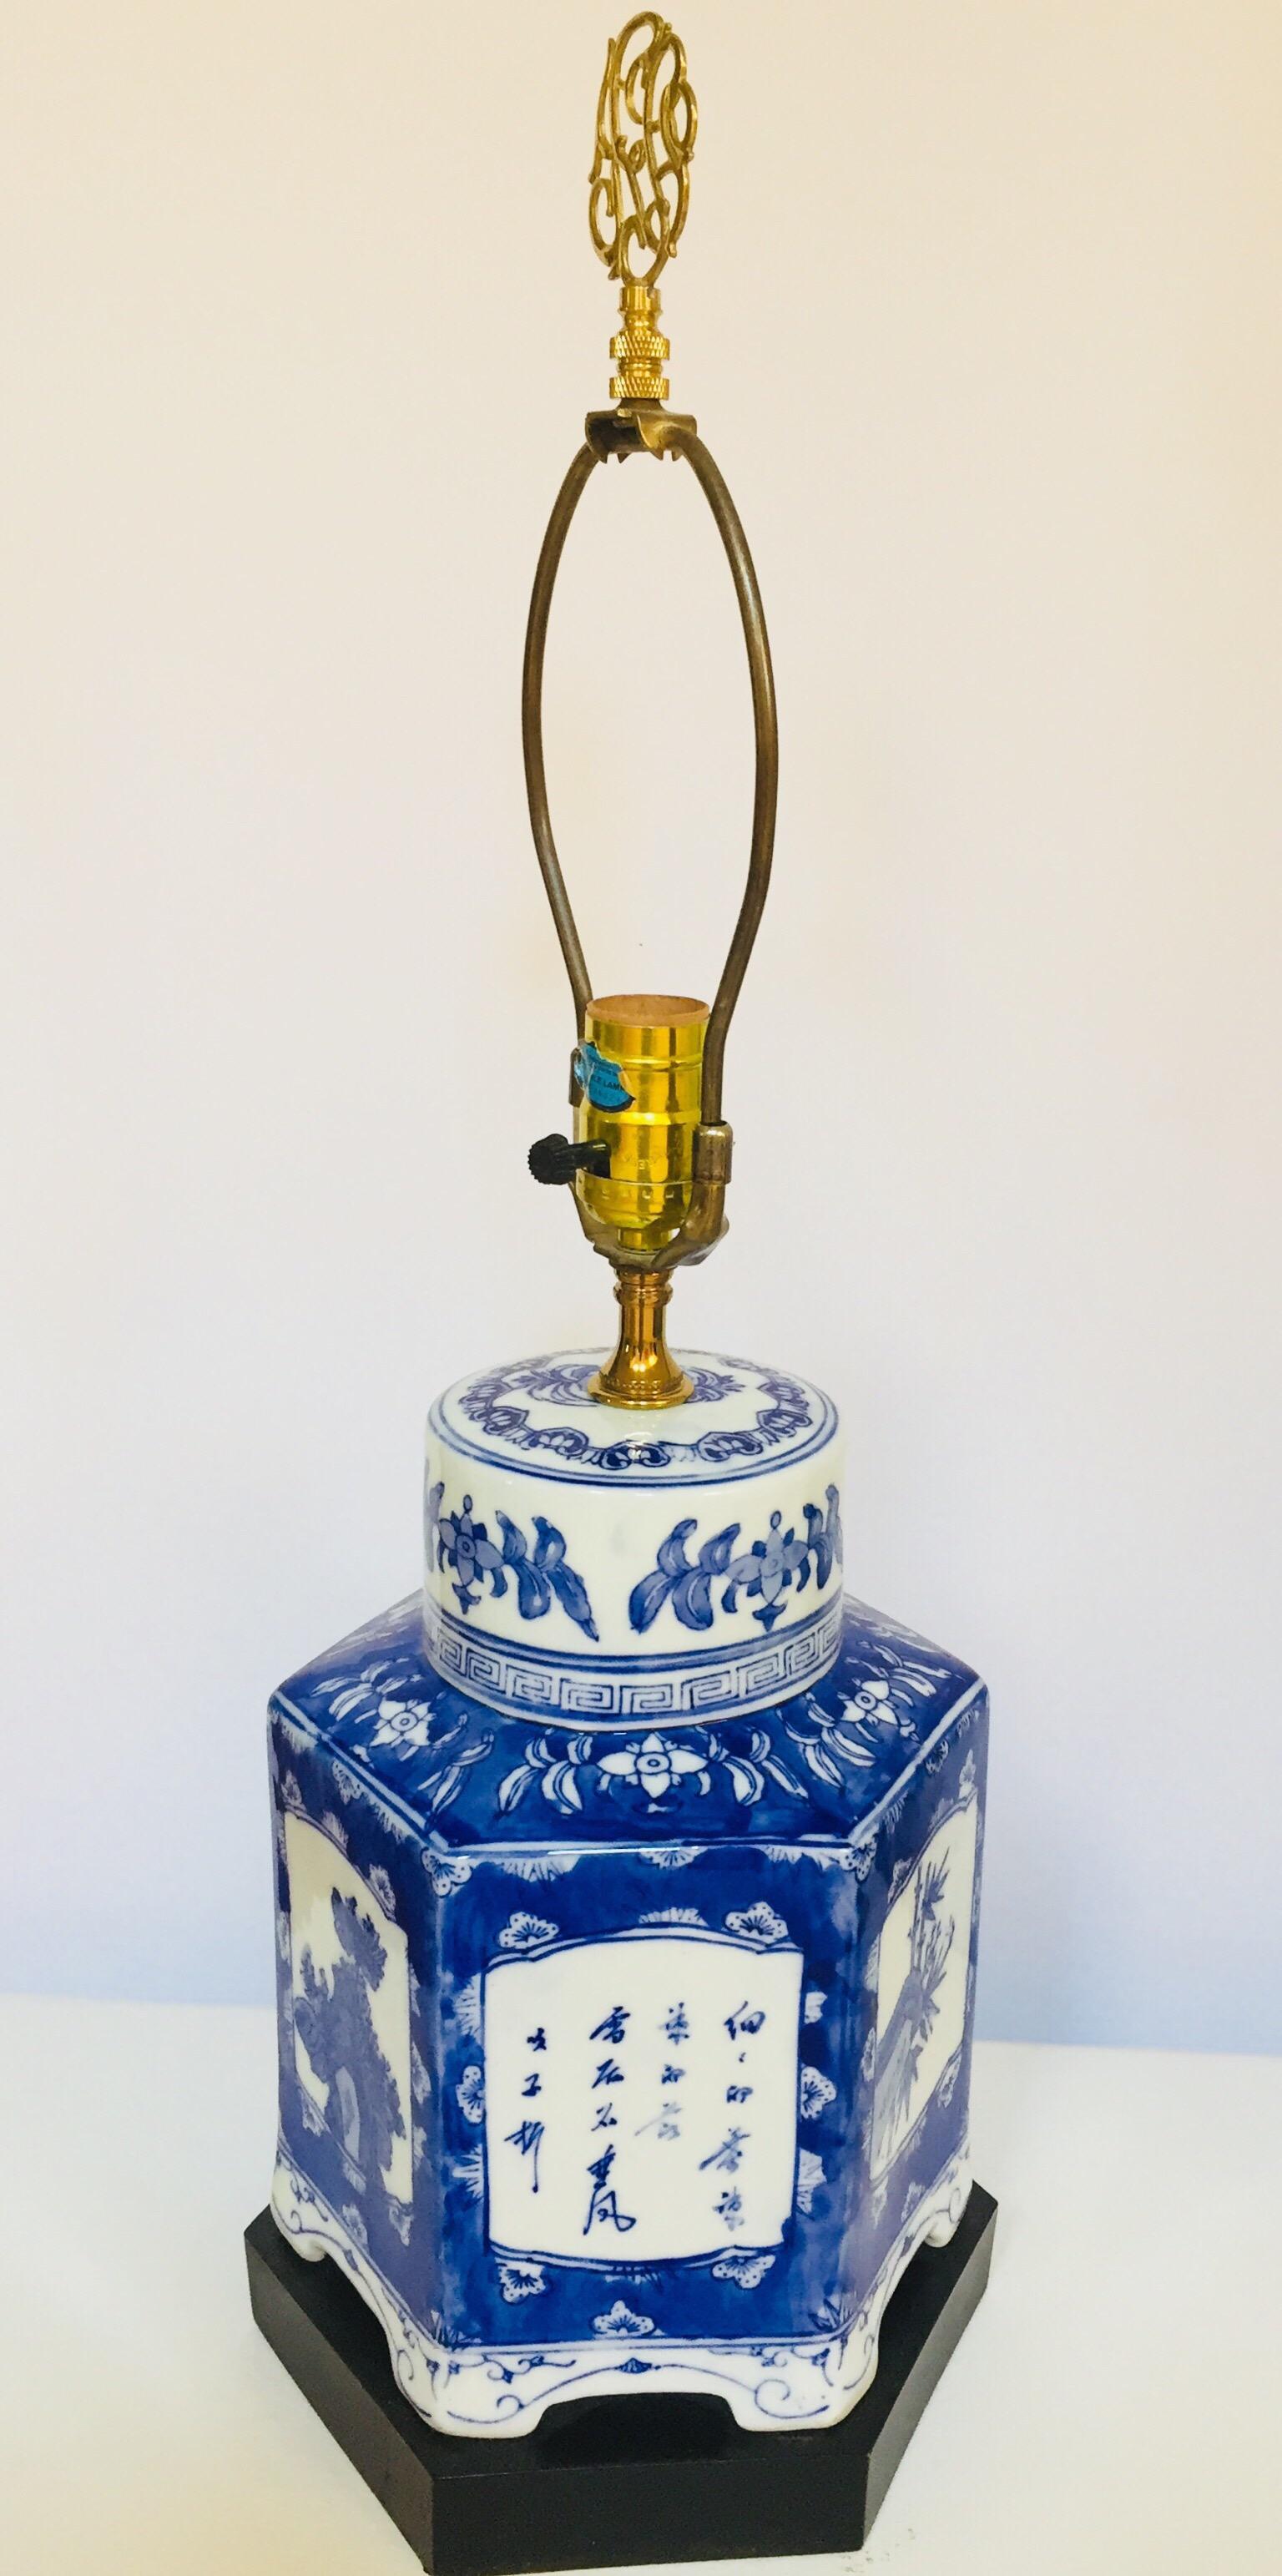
[[769, 2386]]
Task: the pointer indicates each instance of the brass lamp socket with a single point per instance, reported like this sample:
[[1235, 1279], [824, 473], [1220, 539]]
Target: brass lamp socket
[[639, 1078]]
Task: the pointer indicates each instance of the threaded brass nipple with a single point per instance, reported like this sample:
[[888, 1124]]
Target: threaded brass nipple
[[639, 350]]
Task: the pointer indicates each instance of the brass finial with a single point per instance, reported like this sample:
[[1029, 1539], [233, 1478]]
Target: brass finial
[[639, 190]]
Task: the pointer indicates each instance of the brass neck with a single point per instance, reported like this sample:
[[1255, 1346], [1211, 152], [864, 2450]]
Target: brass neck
[[643, 1372]]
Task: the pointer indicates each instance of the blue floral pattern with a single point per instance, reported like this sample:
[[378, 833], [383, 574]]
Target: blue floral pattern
[[521, 2280], [763, 1572], [489, 1405], [464, 1545], [758, 1922], [653, 1772], [400, 1725], [469, 2093], [656, 1764], [622, 2320], [852, 1726]]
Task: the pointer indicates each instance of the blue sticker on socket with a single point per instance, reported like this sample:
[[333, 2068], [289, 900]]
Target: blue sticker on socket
[[601, 1079]]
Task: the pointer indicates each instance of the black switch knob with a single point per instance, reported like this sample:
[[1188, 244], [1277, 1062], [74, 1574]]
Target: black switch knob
[[555, 1159]]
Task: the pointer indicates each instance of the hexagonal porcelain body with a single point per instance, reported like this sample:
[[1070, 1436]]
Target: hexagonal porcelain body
[[600, 1566], [630, 2057]]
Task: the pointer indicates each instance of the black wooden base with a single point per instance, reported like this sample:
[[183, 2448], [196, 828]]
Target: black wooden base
[[615, 2481]]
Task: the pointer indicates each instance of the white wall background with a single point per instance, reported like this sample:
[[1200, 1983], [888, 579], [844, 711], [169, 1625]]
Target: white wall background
[[978, 307]]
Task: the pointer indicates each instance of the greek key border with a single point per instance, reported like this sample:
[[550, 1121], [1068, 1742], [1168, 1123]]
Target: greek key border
[[757, 1675]]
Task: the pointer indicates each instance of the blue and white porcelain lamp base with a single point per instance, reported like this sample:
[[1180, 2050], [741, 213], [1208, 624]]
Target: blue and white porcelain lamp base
[[627, 1888]]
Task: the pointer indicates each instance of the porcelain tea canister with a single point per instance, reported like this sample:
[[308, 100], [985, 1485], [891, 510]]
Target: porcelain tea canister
[[625, 1986], [584, 1565]]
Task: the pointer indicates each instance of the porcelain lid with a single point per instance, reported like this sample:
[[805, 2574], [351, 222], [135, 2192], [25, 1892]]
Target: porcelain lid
[[585, 1562], [537, 1417]]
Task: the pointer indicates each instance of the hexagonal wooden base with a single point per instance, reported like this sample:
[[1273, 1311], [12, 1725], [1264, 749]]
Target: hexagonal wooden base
[[616, 2481]]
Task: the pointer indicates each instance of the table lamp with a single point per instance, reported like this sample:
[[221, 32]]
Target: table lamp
[[627, 1878]]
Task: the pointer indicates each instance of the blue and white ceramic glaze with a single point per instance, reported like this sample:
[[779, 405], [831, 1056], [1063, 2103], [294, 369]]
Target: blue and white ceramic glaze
[[590, 1564], [629, 2050]]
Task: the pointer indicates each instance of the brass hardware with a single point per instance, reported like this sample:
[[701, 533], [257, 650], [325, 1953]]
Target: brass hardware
[[659, 433], [636, 429], [653, 1042], [639, 191], [663, 1201], [713, 1153], [643, 1374], [640, 348]]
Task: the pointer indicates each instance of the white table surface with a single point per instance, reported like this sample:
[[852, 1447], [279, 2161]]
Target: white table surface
[[1115, 2406]]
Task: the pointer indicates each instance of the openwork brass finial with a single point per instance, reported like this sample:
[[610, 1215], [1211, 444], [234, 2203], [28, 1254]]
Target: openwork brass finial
[[639, 190]]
